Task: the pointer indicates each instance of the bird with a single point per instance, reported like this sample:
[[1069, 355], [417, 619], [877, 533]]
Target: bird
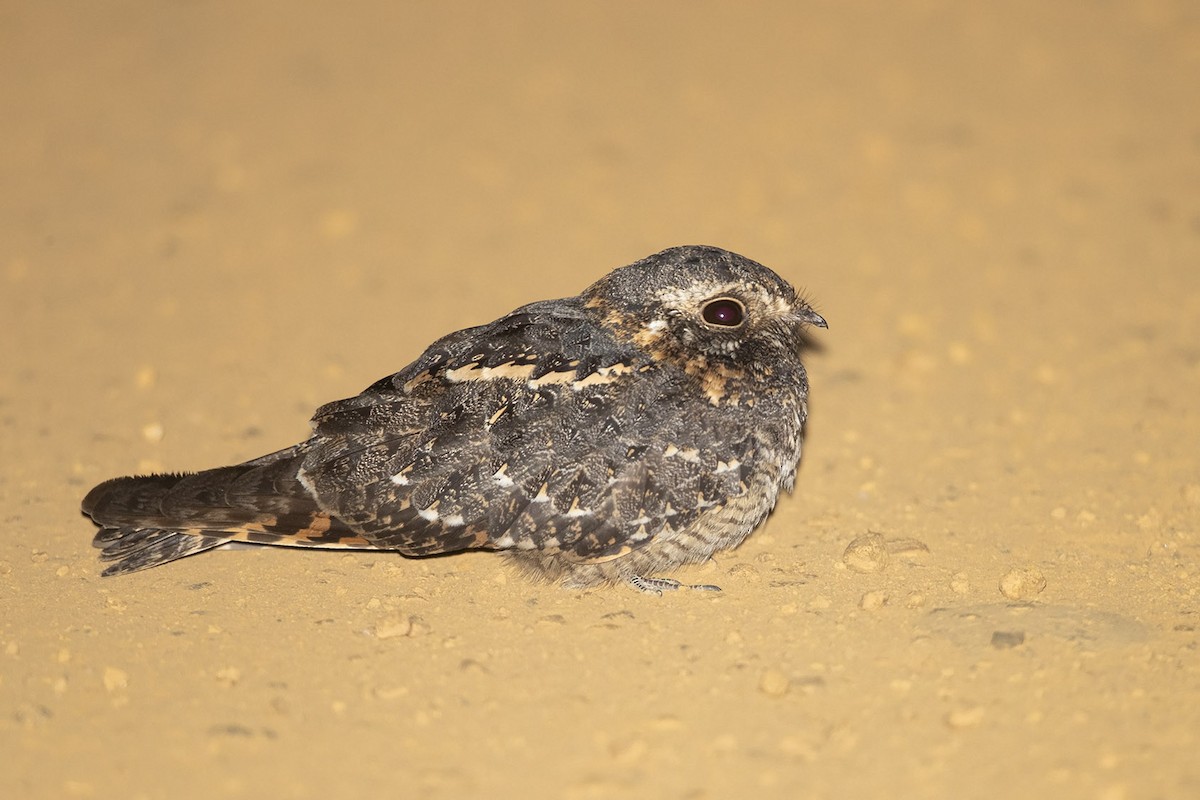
[[647, 423]]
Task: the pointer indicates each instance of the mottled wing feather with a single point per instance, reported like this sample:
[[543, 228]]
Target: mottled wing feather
[[536, 432]]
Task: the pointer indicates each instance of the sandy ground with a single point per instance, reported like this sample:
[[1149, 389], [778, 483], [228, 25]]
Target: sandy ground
[[217, 216]]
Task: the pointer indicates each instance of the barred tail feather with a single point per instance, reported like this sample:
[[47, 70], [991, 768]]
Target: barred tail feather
[[150, 520], [136, 549]]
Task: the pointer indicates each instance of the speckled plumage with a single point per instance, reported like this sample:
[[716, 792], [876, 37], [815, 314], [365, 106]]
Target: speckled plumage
[[605, 437]]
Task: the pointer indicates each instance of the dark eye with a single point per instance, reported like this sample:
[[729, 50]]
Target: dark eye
[[724, 311]]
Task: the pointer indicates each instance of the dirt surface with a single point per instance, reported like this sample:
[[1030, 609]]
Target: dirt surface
[[217, 216]]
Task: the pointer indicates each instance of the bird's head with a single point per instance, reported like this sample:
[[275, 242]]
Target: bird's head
[[704, 305]]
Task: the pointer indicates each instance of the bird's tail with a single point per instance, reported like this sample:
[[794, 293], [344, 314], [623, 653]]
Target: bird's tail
[[150, 520]]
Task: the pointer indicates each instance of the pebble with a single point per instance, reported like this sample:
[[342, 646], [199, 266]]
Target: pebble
[[392, 627], [115, 679], [1022, 583], [867, 553], [873, 601], [965, 717], [748, 571], [774, 683], [229, 677], [145, 378], [1004, 640]]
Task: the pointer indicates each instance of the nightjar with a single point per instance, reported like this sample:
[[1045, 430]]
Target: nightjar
[[649, 422]]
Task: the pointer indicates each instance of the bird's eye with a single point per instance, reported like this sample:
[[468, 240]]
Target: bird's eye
[[724, 311]]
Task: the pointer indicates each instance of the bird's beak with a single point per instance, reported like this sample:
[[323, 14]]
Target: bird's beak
[[810, 317]]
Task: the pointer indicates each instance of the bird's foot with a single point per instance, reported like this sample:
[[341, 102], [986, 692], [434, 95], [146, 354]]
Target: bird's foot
[[659, 585]]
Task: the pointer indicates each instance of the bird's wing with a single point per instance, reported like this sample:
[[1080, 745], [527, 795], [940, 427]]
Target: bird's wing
[[538, 432]]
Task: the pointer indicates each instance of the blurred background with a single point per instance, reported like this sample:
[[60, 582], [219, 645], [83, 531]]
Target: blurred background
[[216, 216]]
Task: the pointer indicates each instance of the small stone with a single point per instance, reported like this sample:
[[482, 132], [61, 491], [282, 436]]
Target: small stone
[[667, 722], [959, 584], [229, 677], [391, 627], [965, 717], [745, 571], [873, 601], [115, 679], [774, 683], [1022, 583], [867, 553], [1005, 640], [145, 378], [1151, 521]]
